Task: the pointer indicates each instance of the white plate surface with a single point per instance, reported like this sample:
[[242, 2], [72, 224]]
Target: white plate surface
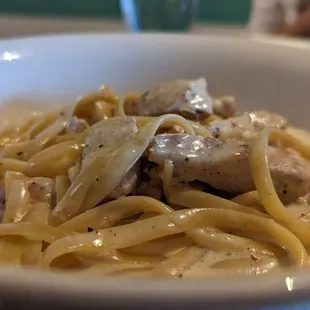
[[261, 72]]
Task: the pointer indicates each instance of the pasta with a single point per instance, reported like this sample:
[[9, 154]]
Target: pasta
[[110, 187]]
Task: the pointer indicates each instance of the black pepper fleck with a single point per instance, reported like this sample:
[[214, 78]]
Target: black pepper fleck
[[100, 145], [284, 192], [20, 153], [254, 258], [186, 158], [216, 132], [217, 172], [89, 229], [114, 235], [97, 179], [180, 275]]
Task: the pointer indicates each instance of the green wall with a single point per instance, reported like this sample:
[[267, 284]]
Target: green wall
[[215, 11], [224, 11]]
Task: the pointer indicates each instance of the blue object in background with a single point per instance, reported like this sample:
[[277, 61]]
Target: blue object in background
[[161, 15]]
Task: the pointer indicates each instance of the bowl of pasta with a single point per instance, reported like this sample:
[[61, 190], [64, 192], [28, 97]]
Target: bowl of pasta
[[162, 170]]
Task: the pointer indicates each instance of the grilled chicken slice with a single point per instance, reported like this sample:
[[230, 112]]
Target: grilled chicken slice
[[150, 188], [224, 107], [188, 98], [104, 135], [150, 184], [246, 126], [76, 125], [224, 165], [128, 184]]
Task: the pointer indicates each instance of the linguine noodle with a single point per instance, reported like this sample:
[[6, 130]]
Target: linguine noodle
[[76, 227]]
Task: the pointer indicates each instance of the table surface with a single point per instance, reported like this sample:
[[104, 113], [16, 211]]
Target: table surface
[[17, 26]]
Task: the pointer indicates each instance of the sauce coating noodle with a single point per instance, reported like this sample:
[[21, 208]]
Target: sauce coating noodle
[[57, 214]]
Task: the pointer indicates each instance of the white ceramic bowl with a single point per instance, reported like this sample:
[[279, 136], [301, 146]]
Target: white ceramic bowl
[[260, 72]]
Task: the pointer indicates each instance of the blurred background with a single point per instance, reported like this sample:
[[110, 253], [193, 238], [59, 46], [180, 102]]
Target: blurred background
[[229, 17], [19, 17]]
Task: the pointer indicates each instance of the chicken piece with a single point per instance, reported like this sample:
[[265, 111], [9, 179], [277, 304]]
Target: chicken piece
[[150, 189], [197, 158], [128, 184], [188, 98], [104, 135], [41, 190], [246, 126], [290, 174], [262, 119], [224, 165], [151, 184], [173, 129], [224, 107], [130, 103], [76, 125]]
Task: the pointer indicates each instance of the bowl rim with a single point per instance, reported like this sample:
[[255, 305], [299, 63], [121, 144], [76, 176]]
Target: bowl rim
[[259, 38], [287, 286], [115, 290]]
